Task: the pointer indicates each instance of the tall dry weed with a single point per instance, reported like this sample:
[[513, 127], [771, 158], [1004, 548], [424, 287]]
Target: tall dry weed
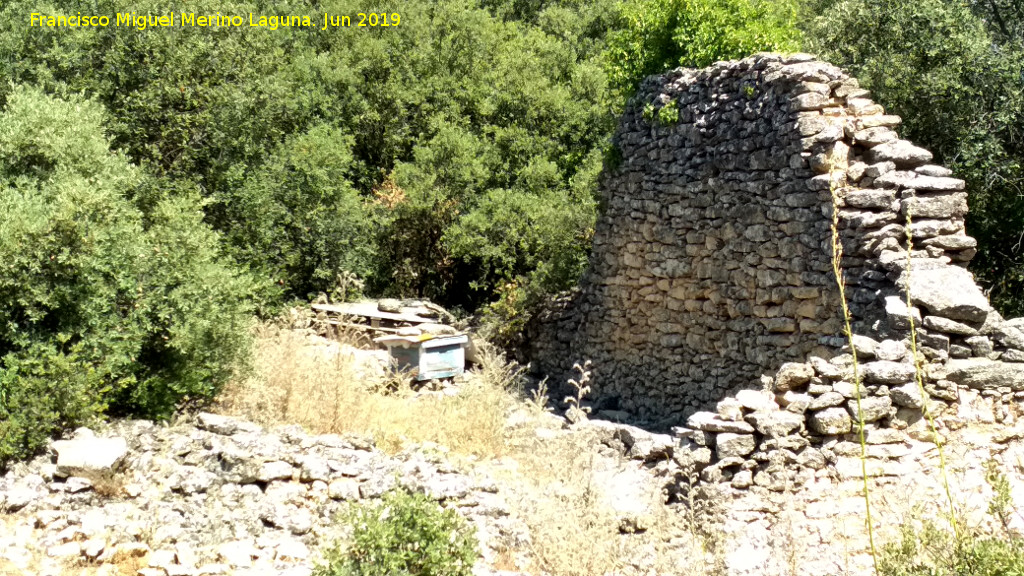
[[335, 387]]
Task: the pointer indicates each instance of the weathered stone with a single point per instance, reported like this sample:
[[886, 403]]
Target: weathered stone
[[792, 375], [827, 400], [873, 408], [729, 445], [89, 456], [949, 292], [940, 324], [883, 436], [756, 400], [692, 457], [776, 423], [898, 315], [710, 422], [643, 445], [742, 479], [225, 425], [729, 409], [891, 350], [794, 402], [848, 390], [901, 152], [908, 395], [276, 470], [343, 489], [886, 372], [830, 421], [981, 346], [864, 345], [950, 242], [314, 469], [944, 206], [870, 198], [984, 374], [824, 368]]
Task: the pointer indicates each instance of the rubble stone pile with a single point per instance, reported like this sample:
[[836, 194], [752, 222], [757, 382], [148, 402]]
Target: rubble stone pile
[[214, 496]]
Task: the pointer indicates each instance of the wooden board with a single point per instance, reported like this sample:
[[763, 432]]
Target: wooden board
[[369, 310]]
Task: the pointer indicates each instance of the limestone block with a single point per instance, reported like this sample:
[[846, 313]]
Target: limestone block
[[873, 408], [887, 372], [949, 292], [940, 324], [89, 456], [908, 395], [792, 375], [729, 445], [900, 152], [710, 422], [985, 374], [830, 421], [775, 424]]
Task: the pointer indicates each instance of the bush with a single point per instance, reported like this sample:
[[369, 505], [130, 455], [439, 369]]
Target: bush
[[403, 535], [101, 309], [934, 552], [658, 35]]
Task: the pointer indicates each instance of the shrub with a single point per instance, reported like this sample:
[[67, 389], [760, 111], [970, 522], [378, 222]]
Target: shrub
[[100, 308], [933, 551], [404, 534], [658, 35]]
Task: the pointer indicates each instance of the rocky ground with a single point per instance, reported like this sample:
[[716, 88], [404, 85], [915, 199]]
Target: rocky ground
[[210, 494], [217, 495]]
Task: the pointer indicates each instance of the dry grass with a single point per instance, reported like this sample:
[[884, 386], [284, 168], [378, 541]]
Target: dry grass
[[339, 388], [563, 491], [554, 482]]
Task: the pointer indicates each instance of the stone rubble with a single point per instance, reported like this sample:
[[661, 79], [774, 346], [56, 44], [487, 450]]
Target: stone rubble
[[217, 495]]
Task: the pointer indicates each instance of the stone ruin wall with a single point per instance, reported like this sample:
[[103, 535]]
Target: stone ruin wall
[[710, 304]]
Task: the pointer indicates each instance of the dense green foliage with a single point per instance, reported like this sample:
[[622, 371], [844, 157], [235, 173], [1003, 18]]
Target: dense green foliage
[[961, 95], [658, 35], [292, 136], [404, 534], [454, 156], [450, 157], [156, 182], [100, 308]]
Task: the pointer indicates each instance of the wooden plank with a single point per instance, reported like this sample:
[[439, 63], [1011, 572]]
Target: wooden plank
[[364, 327], [369, 310]]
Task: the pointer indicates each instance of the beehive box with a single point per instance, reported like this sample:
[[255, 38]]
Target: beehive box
[[439, 357]]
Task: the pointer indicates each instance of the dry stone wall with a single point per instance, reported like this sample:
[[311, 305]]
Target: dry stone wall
[[711, 270]]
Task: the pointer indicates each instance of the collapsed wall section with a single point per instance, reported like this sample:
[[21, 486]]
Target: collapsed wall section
[[712, 258]]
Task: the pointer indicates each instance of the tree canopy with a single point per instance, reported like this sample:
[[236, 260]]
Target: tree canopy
[[160, 185]]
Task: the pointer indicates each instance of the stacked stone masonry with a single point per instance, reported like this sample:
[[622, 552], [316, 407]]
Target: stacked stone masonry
[[711, 305]]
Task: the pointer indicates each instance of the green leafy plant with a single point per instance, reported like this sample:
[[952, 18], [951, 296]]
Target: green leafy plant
[[934, 551], [657, 35], [648, 112], [668, 114], [101, 309], [404, 534]]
